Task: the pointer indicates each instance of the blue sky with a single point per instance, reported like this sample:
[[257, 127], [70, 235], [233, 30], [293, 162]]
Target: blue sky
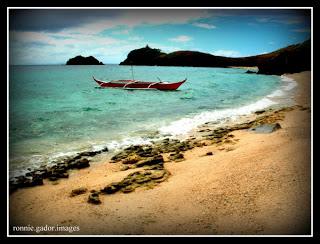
[[43, 36]]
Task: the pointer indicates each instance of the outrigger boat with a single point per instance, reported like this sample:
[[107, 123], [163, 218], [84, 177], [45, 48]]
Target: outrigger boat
[[136, 84]]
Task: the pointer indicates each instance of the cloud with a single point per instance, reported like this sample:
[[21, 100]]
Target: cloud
[[181, 38], [302, 30], [226, 53], [29, 47], [271, 43], [287, 20], [204, 25], [132, 18], [121, 32]]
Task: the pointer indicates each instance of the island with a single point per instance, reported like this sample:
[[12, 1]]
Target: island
[[80, 60], [291, 59]]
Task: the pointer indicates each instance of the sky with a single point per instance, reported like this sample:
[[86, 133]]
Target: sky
[[52, 36]]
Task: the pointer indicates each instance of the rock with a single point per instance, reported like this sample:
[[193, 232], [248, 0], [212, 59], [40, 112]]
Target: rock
[[156, 167], [266, 128], [111, 188], [151, 161], [250, 72], [260, 111], [34, 181], [52, 178], [131, 159], [128, 189], [105, 149], [292, 59], [78, 191], [157, 174], [209, 153], [148, 178], [176, 157], [80, 60], [94, 198], [124, 168], [143, 56], [142, 179], [80, 164], [86, 154]]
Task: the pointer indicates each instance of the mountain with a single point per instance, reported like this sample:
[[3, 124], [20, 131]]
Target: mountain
[[291, 59], [80, 60]]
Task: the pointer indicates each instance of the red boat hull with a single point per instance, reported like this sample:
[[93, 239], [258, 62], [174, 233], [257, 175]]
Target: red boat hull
[[132, 84]]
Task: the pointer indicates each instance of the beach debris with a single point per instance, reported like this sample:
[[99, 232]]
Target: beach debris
[[78, 191], [94, 198]]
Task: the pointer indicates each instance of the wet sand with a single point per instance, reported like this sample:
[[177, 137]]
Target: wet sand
[[252, 184]]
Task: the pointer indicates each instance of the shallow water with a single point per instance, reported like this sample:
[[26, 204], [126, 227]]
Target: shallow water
[[59, 110]]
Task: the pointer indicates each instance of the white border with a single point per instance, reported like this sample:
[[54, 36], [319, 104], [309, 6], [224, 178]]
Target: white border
[[146, 8]]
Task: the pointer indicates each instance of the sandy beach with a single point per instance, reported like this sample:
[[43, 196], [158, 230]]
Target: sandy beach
[[253, 183]]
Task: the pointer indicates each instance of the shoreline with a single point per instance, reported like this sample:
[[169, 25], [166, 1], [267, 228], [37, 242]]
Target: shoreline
[[31, 205], [194, 123]]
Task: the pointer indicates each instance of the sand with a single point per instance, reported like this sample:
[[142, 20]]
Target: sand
[[259, 184]]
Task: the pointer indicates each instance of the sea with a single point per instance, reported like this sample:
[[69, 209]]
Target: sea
[[57, 110]]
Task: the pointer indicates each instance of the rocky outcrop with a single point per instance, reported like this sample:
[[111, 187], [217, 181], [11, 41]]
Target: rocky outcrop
[[143, 56], [80, 60], [150, 177], [53, 172], [294, 58]]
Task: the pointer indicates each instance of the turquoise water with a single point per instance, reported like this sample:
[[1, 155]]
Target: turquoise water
[[59, 110]]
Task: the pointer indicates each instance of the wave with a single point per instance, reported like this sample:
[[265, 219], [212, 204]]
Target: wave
[[289, 83], [185, 125]]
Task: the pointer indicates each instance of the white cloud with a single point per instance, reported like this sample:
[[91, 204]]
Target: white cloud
[[52, 48], [226, 53], [131, 19], [271, 43], [204, 25], [121, 32], [181, 38]]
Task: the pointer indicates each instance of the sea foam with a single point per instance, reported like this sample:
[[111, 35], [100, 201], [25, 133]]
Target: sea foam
[[289, 83], [184, 125]]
